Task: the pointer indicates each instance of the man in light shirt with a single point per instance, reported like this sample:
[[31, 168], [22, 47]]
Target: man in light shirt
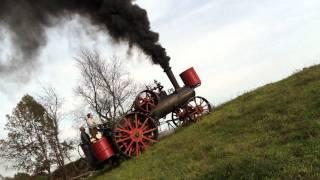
[[92, 124]]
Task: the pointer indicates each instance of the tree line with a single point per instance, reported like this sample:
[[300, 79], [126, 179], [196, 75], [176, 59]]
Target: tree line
[[34, 144]]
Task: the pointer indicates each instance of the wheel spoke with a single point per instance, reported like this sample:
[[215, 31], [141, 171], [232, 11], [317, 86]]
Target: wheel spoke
[[201, 102], [131, 149], [150, 130], [123, 130], [193, 112], [124, 139], [142, 103], [149, 139], [119, 125], [144, 146], [195, 102], [203, 107], [152, 105], [206, 109], [127, 149], [120, 136], [121, 146], [144, 124], [128, 122], [137, 149]]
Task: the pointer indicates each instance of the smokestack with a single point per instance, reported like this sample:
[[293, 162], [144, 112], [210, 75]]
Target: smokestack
[[28, 20], [172, 78]]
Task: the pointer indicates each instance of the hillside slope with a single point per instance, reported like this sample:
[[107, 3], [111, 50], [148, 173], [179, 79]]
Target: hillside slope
[[272, 132]]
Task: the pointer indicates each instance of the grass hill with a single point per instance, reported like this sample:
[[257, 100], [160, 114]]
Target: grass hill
[[270, 133]]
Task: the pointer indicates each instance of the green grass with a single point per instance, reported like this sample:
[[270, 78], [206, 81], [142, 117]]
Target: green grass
[[270, 133]]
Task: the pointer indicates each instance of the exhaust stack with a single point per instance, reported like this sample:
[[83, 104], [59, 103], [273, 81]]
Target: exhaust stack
[[172, 78]]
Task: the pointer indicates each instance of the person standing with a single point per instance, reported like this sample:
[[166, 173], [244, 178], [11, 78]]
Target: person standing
[[86, 147], [85, 139], [92, 124]]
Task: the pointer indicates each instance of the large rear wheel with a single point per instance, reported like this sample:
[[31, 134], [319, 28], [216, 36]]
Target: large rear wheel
[[135, 133]]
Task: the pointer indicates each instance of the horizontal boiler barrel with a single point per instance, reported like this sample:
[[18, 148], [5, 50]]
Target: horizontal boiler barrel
[[170, 103]]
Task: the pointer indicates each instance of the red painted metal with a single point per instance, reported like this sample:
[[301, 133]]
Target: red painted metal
[[102, 149], [135, 133], [197, 107], [146, 101], [191, 112], [138, 130], [190, 78]]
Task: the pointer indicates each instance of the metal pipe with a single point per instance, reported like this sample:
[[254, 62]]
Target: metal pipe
[[172, 78]]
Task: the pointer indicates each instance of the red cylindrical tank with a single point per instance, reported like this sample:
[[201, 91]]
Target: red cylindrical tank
[[190, 78], [102, 149]]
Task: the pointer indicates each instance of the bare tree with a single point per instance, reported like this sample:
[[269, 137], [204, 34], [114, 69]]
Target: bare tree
[[60, 149], [105, 86]]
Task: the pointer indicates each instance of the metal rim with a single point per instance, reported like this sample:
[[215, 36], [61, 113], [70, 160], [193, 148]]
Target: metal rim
[[191, 112], [135, 133], [146, 101], [178, 117], [198, 107]]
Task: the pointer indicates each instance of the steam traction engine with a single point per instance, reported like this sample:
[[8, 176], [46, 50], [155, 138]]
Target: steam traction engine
[[137, 130]]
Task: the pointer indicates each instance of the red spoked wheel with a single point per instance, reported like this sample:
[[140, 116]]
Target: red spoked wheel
[[135, 133], [146, 101], [179, 116], [198, 107], [191, 112]]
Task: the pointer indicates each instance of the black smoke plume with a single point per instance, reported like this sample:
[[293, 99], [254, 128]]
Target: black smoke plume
[[27, 21]]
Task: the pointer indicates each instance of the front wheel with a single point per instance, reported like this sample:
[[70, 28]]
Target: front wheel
[[192, 111], [198, 107], [179, 116]]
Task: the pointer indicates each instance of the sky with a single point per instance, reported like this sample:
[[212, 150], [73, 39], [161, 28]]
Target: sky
[[235, 46]]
